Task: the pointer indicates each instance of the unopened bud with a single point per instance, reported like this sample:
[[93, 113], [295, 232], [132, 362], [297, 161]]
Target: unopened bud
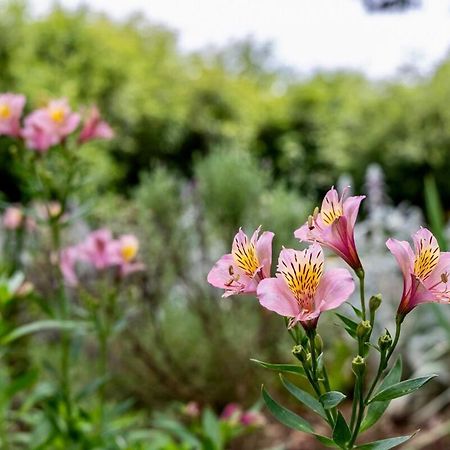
[[385, 341], [375, 302], [300, 353], [358, 365], [363, 329], [308, 361], [318, 344]]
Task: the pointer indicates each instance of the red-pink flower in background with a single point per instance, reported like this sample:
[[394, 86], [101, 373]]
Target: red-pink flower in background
[[99, 249], [249, 262], [301, 289], [426, 270], [333, 226], [95, 127], [13, 218], [67, 264], [49, 126], [11, 108]]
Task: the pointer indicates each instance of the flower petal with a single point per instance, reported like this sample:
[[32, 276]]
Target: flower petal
[[404, 255], [274, 295], [336, 286], [264, 252], [219, 275], [351, 208]]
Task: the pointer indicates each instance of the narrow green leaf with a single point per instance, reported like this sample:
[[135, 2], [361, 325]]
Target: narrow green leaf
[[288, 368], [305, 398], [331, 399], [211, 428], [377, 409], [385, 444], [401, 389], [357, 311], [341, 432], [349, 323], [285, 416], [44, 325], [325, 441]]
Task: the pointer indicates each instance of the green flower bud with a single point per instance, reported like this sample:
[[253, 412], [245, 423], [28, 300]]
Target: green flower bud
[[299, 352], [363, 329], [375, 302], [308, 361], [358, 365], [318, 343], [385, 342]]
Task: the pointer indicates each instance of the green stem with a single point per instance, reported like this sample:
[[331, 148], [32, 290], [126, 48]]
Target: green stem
[[361, 275], [361, 408]]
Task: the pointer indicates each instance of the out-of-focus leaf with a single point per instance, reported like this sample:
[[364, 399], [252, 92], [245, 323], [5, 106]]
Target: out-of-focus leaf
[[331, 399], [385, 444], [288, 368]]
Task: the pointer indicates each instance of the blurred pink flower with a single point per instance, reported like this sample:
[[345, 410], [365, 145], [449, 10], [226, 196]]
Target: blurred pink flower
[[240, 271], [49, 126], [253, 419], [13, 218], [426, 270], [127, 247], [301, 289], [333, 226], [11, 107], [192, 409], [99, 249], [67, 262], [95, 127], [232, 413]]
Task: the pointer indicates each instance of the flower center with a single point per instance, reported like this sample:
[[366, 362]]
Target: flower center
[[331, 210], [302, 275], [244, 255], [57, 115], [128, 252], [426, 259], [5, 111]]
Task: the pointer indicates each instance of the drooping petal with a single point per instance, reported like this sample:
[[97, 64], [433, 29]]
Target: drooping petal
[[335, 287], [274, 294], [264, 252], [404, 255]]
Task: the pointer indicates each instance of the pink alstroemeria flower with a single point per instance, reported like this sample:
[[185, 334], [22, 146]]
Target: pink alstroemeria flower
[[49, 126], [426, 270], [127, 247], [95, 128], [67, 262], [333, 226], [11, 107], [240, 271], [100, 249], [301, 289]]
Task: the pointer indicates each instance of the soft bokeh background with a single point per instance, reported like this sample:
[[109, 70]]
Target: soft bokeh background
[[233, 114]]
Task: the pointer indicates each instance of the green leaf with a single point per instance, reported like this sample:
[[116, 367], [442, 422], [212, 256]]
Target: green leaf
[[288, 368], [44, 325], [211, 428], [341, 432], [305, 398], [178, 430], [350, 325], [331, 399], [385, 444], [377, 409], [285, 416], [325, 441], [401, 389]]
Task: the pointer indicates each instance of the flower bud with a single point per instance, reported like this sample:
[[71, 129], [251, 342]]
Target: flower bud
[[318, 344], [363, 329], [300, 353], [358, 365], [308, 362], [385, 341], [375, 302]]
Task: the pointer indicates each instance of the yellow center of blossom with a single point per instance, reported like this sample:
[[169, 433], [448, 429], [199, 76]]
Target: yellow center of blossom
[[57, 115], [128, 252], [331, 211], [426, 260], [302, 277], [244, 255], [5, 111]]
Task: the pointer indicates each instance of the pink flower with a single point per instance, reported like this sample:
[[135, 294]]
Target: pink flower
[[95, 128], [13, 218], [240, 271], [67, 262], [232, 413], [100, 250], [425, 270], [301, 289], [127, 249], [49, 126], [333, 226], [252, 419], [11, 107], [192, 409]]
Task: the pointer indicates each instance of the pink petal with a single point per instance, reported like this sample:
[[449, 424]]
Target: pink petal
[[264, 252], [404, 255], [274, 294], [335, 287], [425, 237], [442, 267], [220, 273], [351, 208]]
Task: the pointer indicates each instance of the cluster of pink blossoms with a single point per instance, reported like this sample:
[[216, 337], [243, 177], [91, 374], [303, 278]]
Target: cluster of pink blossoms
[[301, 289], [101, 251], [48, 126]]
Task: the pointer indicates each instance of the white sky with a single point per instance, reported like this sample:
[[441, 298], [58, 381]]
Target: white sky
[[307, 34]]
